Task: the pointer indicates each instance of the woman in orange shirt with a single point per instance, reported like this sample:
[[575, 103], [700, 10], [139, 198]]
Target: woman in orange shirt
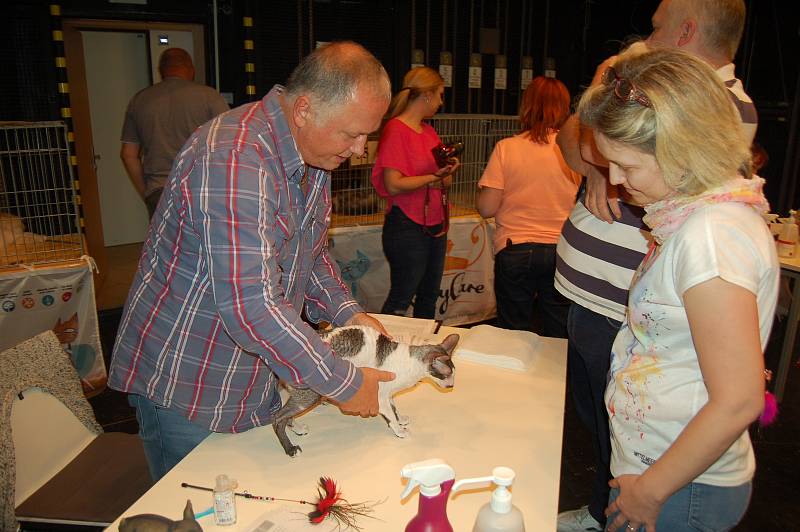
[[529, 189]]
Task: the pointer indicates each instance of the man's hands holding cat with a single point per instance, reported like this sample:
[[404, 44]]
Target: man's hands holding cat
[[362, 318], [365, 401]]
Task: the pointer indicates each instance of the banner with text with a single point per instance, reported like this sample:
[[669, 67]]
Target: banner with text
[[467, 289]]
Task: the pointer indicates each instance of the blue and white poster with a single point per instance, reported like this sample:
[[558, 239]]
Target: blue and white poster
[[60, 299]]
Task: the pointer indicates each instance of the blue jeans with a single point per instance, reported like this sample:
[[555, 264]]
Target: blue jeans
[[167, 436], [590, 337], [416, 264], [523, 279], [700, 507]]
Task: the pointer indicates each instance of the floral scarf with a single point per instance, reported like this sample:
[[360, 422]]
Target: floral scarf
[[666, 216]]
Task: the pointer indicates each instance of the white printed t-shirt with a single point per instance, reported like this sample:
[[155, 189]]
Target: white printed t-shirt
[[655, 385]]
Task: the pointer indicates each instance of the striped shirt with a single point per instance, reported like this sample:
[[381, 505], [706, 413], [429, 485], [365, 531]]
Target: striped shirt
[[234, 253], [596, 260], [743, 103]]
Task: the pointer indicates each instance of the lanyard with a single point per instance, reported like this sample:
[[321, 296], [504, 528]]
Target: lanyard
[[445, 210]]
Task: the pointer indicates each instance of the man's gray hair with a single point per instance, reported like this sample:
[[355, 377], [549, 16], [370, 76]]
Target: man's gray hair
[[721, 22], [331, 74]]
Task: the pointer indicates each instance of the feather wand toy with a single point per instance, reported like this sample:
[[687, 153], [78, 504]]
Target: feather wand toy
[[329, 503], [246, 495]]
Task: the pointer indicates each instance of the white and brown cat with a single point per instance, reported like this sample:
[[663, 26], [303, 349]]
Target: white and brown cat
[[366, 347]]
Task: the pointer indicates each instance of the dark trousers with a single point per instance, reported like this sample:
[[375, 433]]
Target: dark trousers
[[151, 201], [591, 336], [523, 279], [416, 264]]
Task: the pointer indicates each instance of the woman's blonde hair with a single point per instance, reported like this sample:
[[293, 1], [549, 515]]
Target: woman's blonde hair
[[691, 125], [416, 82]]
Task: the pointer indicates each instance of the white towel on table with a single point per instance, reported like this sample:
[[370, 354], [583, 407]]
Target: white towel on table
[[497, 347]]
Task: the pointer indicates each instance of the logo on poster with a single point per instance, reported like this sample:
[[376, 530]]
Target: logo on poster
[[8, 306], [459, 265], [28, 302], [458, 287], [66, 296], [47, 300]]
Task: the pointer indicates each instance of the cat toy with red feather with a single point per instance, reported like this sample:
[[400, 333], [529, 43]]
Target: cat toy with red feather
[[330, 503]]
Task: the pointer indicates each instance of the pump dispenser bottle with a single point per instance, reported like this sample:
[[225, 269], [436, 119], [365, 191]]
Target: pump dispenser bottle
[[224, 501], [435, 479], [499, 515]]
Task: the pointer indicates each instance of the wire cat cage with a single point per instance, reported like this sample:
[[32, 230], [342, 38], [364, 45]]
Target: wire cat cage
[[38, 211], [355, 201]]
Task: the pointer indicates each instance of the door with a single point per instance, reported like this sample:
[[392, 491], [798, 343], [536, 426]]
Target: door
[[117, 67]]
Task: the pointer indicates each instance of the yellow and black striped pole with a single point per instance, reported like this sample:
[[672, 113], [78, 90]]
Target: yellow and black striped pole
[[249, 58], [65, 111]]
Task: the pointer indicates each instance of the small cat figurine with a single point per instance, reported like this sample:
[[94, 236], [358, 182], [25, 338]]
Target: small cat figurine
[[157, 523], [366, 347]]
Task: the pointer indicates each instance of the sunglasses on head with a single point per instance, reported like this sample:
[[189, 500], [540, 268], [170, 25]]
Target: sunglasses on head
[[624, 89]]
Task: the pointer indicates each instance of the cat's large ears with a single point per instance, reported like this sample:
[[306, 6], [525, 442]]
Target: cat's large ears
[[450, 343], [188, 512]]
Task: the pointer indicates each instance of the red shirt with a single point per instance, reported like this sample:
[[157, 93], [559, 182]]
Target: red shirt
[[409, 152]]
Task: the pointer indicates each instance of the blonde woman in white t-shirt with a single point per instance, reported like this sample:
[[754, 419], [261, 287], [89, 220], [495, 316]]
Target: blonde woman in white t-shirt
[[687, 374]]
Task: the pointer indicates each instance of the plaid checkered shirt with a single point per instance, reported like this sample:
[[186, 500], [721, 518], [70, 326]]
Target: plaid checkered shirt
[[234, 252]]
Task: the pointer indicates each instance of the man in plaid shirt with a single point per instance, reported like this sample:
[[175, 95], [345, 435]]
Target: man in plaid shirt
[[237, 248]]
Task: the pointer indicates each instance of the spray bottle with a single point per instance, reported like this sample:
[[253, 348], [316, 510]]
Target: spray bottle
[[435, 479], [499, 515]]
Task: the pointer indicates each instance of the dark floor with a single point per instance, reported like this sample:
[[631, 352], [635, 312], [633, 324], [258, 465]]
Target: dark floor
[[776, 485]]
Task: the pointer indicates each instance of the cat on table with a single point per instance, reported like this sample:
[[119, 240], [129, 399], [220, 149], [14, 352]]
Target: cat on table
[[366, 347]]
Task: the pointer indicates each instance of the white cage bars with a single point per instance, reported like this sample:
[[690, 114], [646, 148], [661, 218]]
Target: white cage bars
[[356, 203], [38, 211]]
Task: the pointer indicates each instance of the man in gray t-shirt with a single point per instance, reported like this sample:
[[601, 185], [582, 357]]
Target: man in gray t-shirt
[[160, 118]]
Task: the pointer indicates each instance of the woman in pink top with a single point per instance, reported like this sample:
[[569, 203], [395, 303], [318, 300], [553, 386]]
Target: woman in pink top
[[406, 173], [529, 189]]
